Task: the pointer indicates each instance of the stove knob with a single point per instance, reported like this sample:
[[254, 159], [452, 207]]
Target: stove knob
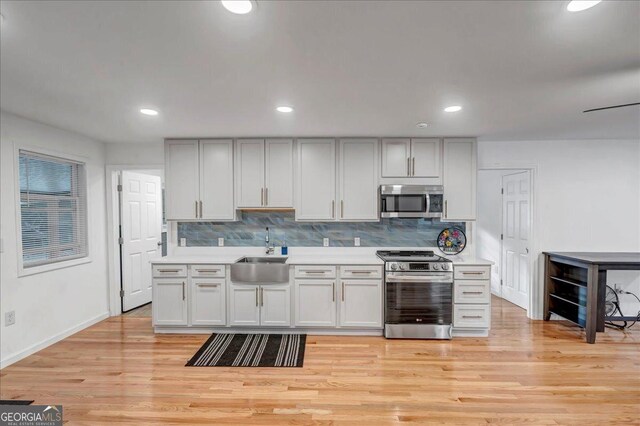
[[403, 266], [435, 266], [445, 267], [394, 266]]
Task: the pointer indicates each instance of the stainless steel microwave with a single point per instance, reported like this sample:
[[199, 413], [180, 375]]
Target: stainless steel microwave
[[411, 201]]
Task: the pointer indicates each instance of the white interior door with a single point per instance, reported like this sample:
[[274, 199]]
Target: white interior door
[[142, 235], [516, 232]]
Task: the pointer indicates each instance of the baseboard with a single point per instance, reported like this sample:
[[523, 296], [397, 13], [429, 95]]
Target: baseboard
[[50, 341]]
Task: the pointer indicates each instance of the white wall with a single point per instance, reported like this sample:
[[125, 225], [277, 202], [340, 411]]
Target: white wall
[[489, 225], [50, 305], [586, 197], [135, 154]]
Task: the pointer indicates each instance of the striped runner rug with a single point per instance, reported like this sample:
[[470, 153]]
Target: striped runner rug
[[251, 350]]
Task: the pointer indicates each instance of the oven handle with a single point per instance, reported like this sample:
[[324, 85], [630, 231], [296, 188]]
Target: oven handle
[[432, 279]]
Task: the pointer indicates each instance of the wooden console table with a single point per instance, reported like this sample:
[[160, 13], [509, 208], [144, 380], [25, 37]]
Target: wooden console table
[[575, 284]]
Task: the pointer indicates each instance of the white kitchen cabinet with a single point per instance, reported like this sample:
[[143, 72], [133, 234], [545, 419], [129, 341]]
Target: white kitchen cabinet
[[216, 180], [244, 305], [315, 303], [182, 189], [199, 179], [208, 301], [250, 172], [396, 156], [418, 157], [316, 180], [264, 176], [361, 303], [275, 305], [459, 179], [169, 301], [358, 179]]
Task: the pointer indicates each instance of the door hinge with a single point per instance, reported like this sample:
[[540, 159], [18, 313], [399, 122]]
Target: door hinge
[[121, 293], [119, 187], [121, 241]]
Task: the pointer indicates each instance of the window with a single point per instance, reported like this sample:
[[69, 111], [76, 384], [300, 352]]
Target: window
[[53, 209]]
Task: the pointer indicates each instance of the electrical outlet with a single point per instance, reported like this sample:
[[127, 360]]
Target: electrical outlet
[[325, 242], [183, 242], [9, 318], [356, 241], [220, 242]]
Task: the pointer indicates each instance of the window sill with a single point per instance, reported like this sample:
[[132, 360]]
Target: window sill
[[25, 272]]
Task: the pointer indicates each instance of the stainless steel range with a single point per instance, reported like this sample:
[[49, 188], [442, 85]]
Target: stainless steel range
[[418, 295]]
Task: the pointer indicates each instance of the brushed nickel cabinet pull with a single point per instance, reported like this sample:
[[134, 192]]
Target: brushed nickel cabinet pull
[[472, 316], [413, 173], [333, 291], [262, 196], [266, 196], [472, 273], [314, 272], [471, 292], [256, 296], [169, 270], [200, 209], [408, 166], [196, 209], [183, 290], [342, 209], [343, 292], [207, 284], [261, 296], [361, 272], [208, 270], [445, 209], [333, 209]]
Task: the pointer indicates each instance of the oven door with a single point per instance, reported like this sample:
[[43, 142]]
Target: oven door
[[404, 205], [418, 298]]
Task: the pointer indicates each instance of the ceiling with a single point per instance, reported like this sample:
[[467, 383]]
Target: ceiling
[[521, 70]]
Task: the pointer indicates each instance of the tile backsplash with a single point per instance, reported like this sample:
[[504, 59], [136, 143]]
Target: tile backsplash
[[250, 232]]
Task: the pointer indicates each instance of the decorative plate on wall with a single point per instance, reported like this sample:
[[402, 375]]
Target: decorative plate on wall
[[452, 241]]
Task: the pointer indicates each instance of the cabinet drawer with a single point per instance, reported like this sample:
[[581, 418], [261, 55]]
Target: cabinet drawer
[[471, 316], [471, 272], [167, 271], [315, 271], [198, 271], [360, 271], [472, 291]]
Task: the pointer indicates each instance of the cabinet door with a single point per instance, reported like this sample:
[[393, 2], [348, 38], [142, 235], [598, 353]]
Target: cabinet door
[[208, 301], [169, 301], [315, 303], [459, 179], [361, 303], [244, 306], [275, 305], [216, 179], [425, 158], [182, 180], [250, 172], [396, 154], [358, 179], [316, 180], [279, 173]]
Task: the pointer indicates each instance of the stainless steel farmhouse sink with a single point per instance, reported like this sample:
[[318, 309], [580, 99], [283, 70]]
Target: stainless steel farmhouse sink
[[263, 270]]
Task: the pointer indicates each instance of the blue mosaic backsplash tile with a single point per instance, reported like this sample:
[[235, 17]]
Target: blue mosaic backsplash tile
[[250, 232]]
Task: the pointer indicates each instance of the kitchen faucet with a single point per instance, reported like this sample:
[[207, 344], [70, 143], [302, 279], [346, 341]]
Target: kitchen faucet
[[268, 250]]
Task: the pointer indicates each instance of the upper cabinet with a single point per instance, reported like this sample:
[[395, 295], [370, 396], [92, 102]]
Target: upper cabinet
[[358, 179], [199, 179], [459, 179], [264, 173], [419, 157], [316, 179]]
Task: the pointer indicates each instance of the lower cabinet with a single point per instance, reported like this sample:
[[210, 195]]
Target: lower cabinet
[[361, 303], [315, 303], [252, 305], [170, 301], [208, 301], [471, 299]]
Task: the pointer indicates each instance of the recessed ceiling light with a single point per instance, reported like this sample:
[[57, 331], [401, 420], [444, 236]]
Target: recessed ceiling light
[[239, 7], [147, 111], [422, 125], [453, 108], [580, 5], [284, 109]]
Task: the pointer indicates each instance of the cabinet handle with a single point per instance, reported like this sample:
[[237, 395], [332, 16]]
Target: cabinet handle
[[262, 196], [472, 273], [200, 209], [342, 209], [471, 292], [266, 196], [183, 288], [207, 284], [261, 296], [343, 292], [208, 270], [408, 166], [256, 296], [169, 270], [360, 272], [472, 316], [314, 272], [413, 161], [445, 209], [196, 209], [333, 209], [333, 291]]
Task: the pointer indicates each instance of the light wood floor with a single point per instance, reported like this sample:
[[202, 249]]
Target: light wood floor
[[119, 372]]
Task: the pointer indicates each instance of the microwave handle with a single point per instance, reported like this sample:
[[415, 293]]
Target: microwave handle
[[428, 203]]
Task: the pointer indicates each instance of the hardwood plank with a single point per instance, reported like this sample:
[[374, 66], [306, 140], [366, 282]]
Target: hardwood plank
[[526, 371]]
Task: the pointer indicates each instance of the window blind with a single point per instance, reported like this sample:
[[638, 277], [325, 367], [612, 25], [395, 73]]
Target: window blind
[[53, 209]]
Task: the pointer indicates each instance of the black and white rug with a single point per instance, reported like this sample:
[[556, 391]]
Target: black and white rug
[[251, 350]]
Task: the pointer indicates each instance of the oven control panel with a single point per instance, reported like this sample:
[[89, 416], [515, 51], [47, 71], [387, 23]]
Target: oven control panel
[[418, 266]]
